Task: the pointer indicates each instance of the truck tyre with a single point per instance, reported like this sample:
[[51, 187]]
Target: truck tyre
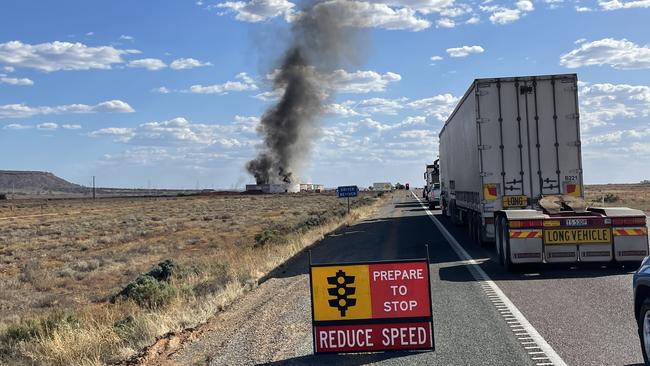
[[644, 329], [507, 261], [477, 229], [470, 229], [499, 239], [455, 215], [479, 232]]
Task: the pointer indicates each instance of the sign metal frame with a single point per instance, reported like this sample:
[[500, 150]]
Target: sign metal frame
[[396, 320]]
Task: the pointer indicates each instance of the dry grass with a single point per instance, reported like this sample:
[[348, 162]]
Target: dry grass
[[62, 262], [627, 195]]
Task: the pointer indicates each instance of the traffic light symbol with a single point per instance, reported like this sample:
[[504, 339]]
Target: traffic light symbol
[[341, 291]]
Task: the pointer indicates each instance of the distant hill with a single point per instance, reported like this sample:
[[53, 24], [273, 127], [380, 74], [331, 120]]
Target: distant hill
[[30, 181]]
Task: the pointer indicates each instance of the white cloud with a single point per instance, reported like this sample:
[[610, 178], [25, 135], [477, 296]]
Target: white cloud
[[616, 4], [181, 132], [611, 104], [381, 106], [425, 6], [525, 5], [390, 14], [619, 54], [270, 95], [361, 81], [187, 63], [580, 40], [15, 81], [455, 11], [71, 127], [464, 51], [583, 9], [439, 106], [418, 134], [16, 126], [243, 83], [9, 69], [89, 34], [505, 16], [151, 64], [22, 110], [374, 15], [257, 10], [436, 58], [341, 81], [57, 56], [126, 37], [121, 134], [340, 109], [246, 124], [48, 126], [473, 20], [161, 90], [445, 23]]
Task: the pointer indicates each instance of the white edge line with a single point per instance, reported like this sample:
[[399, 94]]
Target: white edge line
[[480, 275]]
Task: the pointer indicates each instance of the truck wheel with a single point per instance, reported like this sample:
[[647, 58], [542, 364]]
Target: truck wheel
[[477, 229], [644, 329], [507, 260], [479, 232], [499, 243], [505, 246]]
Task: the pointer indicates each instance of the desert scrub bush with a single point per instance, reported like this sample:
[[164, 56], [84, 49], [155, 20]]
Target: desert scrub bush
[[267, 236], [149, 292], [29, 329], [217, 278], [125, 327], [86, 265], [170, 269], [154, 289], [610, 198]]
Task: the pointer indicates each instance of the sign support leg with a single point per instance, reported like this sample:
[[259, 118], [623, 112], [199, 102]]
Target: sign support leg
[[348, 205]]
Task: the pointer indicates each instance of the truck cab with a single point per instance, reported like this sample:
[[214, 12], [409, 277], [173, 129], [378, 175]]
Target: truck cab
[[431, 192]]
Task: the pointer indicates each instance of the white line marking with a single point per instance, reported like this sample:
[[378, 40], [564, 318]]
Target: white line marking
[[479, 274]]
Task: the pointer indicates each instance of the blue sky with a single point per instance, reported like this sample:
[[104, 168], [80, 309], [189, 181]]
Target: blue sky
[[168, 94]]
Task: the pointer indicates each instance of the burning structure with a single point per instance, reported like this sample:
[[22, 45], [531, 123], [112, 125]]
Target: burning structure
[[273, 188], [319, 44]]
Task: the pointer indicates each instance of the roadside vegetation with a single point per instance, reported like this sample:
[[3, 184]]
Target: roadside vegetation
[[627, 195], [93, 282]]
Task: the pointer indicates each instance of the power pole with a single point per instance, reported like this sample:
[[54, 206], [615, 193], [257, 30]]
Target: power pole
[[93, 187]]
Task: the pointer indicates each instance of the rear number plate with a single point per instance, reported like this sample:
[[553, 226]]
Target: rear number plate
[[576, 222], [577, 236], [515, 201]]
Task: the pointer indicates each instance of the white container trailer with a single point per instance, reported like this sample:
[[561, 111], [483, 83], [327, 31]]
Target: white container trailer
[[511, 169]]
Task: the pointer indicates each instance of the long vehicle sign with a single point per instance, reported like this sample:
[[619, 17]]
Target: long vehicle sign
[[371, 306], [571, 236]]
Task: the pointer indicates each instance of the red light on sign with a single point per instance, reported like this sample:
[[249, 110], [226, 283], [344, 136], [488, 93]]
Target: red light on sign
[[373, 337]]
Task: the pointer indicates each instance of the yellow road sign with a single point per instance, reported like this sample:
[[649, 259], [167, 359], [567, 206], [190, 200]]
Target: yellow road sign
[[341, 292], [515, 201], [577, 236]]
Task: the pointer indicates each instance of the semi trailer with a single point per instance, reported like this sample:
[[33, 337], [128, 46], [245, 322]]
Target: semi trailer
[[511, 171]]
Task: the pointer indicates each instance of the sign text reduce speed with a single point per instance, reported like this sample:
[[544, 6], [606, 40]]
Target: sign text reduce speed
[[371, 306]]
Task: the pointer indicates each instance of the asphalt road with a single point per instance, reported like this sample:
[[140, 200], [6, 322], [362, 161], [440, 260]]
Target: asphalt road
[[584, 314]]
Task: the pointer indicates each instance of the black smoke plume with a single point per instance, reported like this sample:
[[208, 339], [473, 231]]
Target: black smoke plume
[[319, 44]]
